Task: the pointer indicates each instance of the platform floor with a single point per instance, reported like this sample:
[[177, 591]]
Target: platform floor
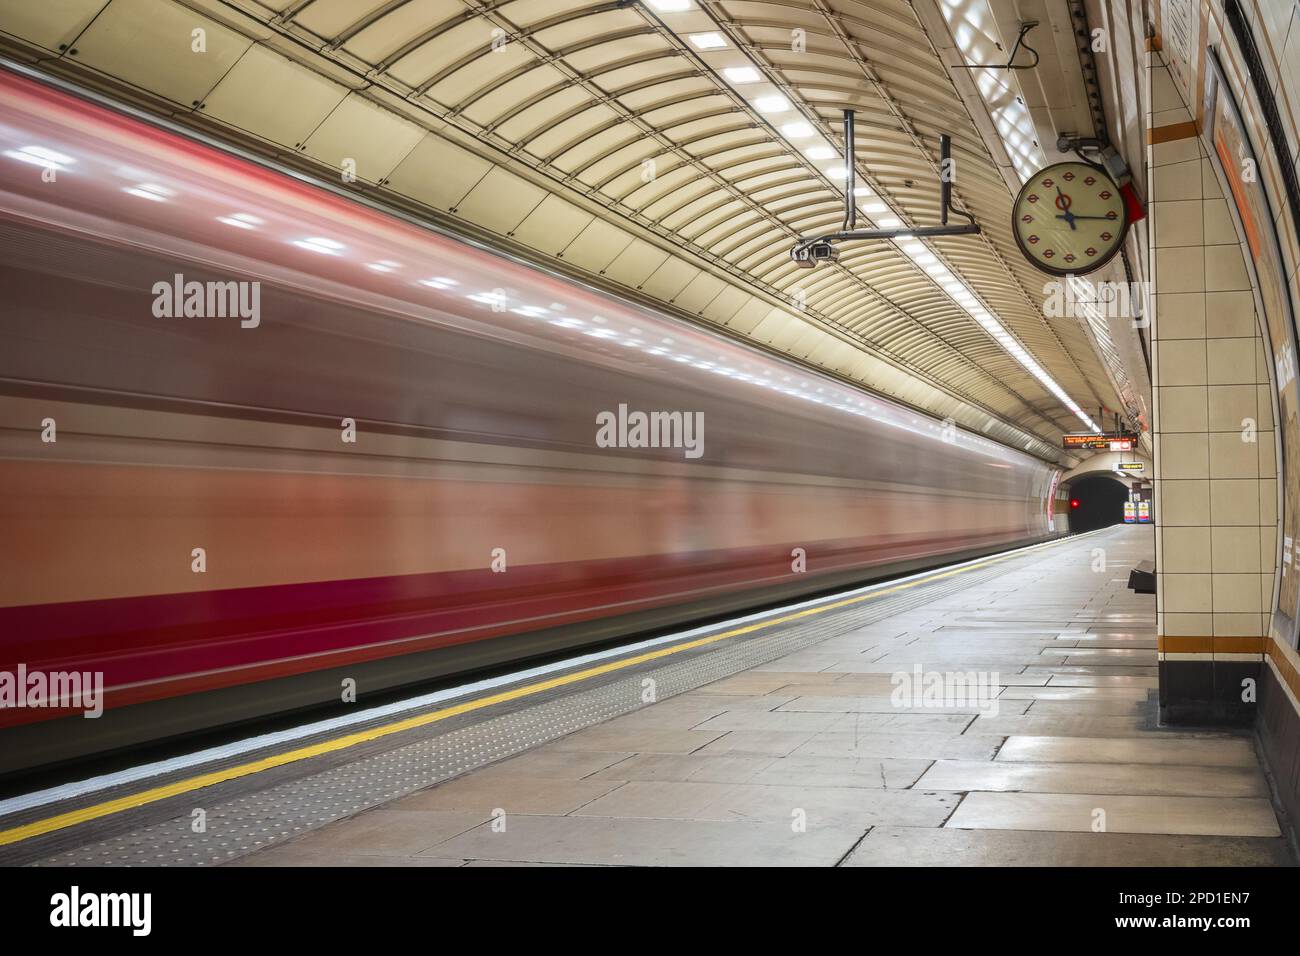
[[809, 760]]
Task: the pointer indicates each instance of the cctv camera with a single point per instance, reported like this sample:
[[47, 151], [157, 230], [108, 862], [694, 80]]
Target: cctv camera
[[811, 254]]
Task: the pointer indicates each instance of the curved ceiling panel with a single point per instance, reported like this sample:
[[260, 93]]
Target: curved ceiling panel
[[602, 137]]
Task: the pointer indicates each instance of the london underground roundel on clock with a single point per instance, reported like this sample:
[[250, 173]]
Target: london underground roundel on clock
[[1069, 219]]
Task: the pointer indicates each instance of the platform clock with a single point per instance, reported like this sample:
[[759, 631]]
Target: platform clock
[[1069, 219]]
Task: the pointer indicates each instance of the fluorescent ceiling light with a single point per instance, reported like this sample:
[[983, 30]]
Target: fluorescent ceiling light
[[707, 41], [836, 172], [671, 6], [820, 152], [741, 74], [889, 223], [797, 130], [862, 190], [772, 104]]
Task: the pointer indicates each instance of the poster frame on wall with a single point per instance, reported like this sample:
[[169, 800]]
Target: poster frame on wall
[[1223, 128]]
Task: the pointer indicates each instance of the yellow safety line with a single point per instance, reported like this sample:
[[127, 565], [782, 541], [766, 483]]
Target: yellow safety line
[[110, 807]]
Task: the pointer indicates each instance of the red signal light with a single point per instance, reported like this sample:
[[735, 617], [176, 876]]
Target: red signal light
[[1074, 502]]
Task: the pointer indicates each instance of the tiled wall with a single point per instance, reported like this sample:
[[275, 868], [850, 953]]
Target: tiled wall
[[1276, 28], [1215, 461]]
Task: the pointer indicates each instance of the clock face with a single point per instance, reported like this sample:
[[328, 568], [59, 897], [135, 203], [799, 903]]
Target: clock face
[[1069, 219]]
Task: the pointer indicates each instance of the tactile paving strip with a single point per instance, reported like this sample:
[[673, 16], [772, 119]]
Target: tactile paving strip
[[279, 812]]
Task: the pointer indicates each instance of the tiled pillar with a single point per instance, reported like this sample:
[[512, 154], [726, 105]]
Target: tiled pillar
[[1215, 461]]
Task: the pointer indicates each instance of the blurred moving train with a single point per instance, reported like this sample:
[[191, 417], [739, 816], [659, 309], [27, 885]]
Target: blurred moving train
[[259, 438]]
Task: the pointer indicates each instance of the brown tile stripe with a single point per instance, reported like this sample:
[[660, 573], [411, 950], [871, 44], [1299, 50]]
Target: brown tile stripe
[[1174, 131], [1210, 645]]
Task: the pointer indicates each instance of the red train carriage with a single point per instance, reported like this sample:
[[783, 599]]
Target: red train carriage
[[202, 533]]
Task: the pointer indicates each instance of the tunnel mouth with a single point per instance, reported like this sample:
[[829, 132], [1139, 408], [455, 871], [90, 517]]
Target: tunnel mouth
[[1096, 502]]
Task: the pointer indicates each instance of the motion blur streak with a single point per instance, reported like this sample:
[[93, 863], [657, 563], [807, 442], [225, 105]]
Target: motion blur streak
[[475, 384]]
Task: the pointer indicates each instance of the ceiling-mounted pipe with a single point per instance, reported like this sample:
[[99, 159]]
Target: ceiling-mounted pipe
[[945, 177], [808, 252], [850, 166]]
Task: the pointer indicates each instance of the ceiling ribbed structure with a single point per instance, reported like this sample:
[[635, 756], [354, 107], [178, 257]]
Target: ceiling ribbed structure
[[601, 138]]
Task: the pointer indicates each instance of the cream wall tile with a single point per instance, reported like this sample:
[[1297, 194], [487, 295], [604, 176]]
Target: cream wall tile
[[1164, 92], [1177, 223], [1181, 362], [1268, 557], [1180, 269], [1234, 501], [1229, 362], [1268, 501], [1228, 405], [1187, 593], [1183, 624], [1217, 227], [1184, 502], [1235, 593], [1224, 269], [1235, 550], [1266, 447], [1186, 550], [1264, 405], [1179, 316], [1230, 315], [1184, 408], [1238, 625], [1184, 455], [1230, 457], [1175, 151], [1178, 180], [1170, 117], [1209, 181]]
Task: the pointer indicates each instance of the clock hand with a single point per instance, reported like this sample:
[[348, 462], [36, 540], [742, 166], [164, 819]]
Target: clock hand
[[1072, 216], [1069, 217]]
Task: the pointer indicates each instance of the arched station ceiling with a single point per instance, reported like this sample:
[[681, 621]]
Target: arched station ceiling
[[534, 124]]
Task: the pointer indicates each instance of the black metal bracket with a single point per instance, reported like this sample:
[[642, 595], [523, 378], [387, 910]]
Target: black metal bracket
[[1025, 27], [807, 253], [1108, 157]]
